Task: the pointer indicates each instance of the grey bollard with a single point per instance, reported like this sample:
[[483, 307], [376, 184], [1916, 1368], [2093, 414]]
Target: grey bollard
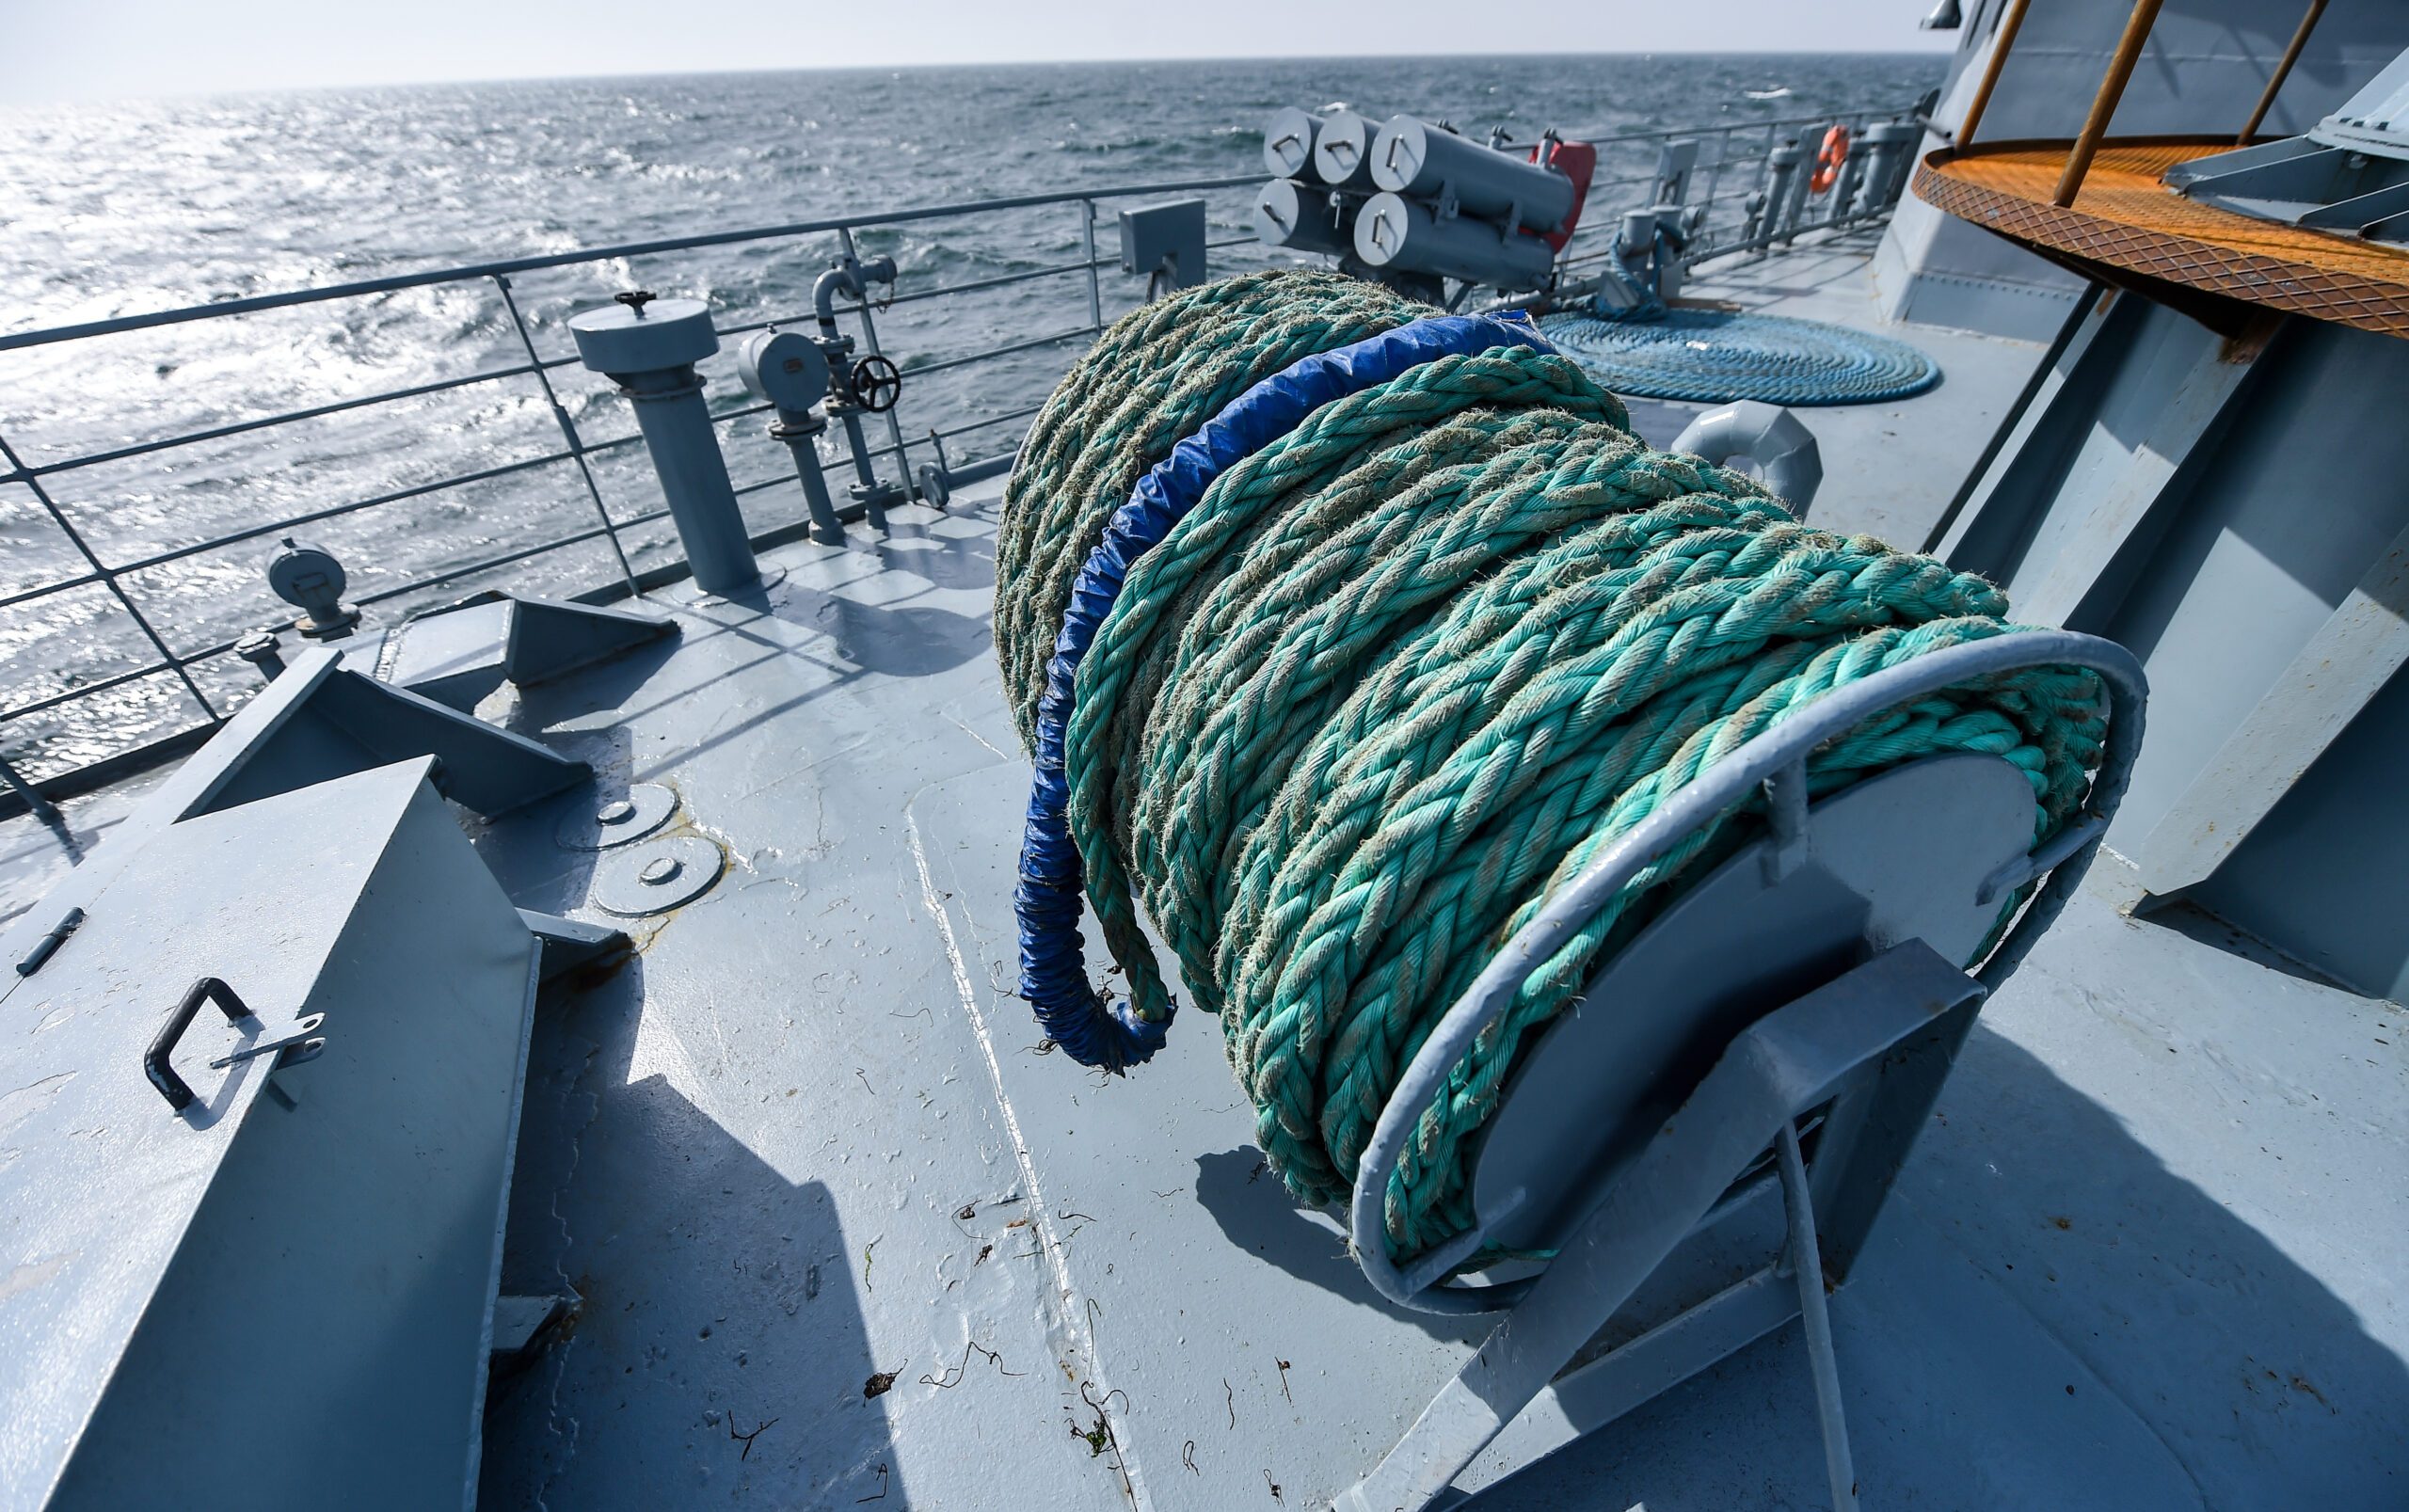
[[648, 347]]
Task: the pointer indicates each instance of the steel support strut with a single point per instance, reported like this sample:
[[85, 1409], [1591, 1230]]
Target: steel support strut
[[1807, 1264], [1839, 1041]]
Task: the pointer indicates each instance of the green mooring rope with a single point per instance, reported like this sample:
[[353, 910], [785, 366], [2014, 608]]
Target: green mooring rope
[[1405, 671]]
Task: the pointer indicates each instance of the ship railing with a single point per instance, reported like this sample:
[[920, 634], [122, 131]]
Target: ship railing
[[190, 666], [1732, 171], [210, 689]]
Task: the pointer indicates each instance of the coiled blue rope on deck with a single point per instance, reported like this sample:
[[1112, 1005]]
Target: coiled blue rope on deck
[[1718, 355], [1047, 898]]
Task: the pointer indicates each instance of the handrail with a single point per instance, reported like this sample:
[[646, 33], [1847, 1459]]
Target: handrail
[[1609, 135], [395, 282], [237, 427]]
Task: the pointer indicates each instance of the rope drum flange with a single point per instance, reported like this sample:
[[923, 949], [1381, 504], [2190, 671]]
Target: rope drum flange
[[1343, 632]]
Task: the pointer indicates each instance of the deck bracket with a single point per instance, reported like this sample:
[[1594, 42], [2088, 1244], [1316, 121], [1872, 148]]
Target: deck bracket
[[1880, 1037]]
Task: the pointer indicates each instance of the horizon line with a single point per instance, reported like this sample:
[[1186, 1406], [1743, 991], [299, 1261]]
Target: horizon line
[[7, 104]]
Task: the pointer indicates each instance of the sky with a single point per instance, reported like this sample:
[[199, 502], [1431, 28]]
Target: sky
[[112, 49]]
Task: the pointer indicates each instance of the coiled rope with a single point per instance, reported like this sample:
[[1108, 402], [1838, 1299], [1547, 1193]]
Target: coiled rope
[[1351, 683], [1718, 355]]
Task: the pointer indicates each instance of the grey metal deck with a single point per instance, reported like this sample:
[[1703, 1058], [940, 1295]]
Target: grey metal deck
[[1888, 469], [845, 1236], [806, 1140]]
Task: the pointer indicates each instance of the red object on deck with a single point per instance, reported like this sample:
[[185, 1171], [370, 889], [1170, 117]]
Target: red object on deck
[[1578, 160]]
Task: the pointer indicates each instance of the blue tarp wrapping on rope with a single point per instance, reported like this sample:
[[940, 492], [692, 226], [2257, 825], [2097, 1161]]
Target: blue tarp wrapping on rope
[[1047, 898]]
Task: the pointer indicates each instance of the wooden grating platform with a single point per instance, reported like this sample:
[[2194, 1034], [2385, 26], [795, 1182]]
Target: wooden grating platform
[[2124, 218]]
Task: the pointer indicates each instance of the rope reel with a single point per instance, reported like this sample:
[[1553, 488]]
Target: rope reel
[[1344, 633]]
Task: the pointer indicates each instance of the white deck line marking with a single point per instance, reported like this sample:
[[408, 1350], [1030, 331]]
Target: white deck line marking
[[1074, 1321], [976, 735]]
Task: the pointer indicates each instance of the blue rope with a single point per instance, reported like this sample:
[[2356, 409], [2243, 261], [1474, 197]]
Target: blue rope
[[1053, 970], [1715, 357]]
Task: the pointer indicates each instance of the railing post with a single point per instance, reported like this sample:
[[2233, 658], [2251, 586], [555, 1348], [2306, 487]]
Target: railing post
[[1714, 182], [2104, 104], [2283, 71], [568, 432], [870, 339], [1095, 285], [35, 801], [58, 516], [2003, 38], [1852, 173]]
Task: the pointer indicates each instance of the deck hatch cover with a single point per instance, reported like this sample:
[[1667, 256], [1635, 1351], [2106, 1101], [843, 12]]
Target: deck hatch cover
[[99, 1179]]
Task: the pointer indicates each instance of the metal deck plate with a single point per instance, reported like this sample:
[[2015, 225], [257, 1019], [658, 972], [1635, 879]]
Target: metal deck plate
[[1188, 1226], [751, 1149], [606, 823]]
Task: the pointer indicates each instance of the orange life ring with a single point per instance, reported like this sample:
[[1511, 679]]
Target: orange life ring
[[1828, 160]]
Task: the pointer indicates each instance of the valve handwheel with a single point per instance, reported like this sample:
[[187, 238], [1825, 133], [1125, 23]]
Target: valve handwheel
[[877, 383]]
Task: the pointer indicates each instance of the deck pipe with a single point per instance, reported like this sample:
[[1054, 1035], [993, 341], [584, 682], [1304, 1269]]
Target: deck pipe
[[1781, 175], [1889, 153], [1413, 157], [1802, 188], [1647, 252], [851, 277], [1395, 232], [1305, 217], [648, 347]]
